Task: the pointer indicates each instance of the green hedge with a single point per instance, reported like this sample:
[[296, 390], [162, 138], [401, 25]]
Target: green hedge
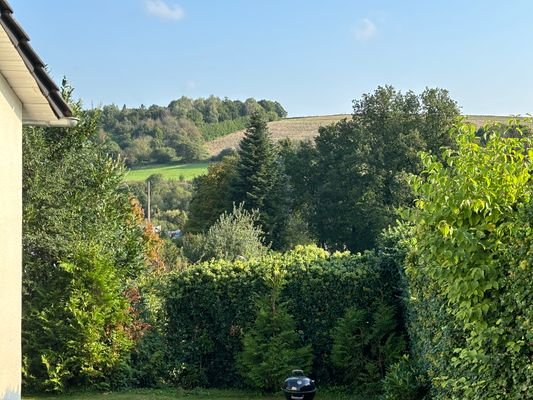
[[210, 306]]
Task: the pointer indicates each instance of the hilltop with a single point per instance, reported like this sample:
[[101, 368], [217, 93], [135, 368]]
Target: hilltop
[[301, 128]]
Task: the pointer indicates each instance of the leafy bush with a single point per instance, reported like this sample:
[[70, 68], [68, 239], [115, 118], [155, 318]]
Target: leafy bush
[[148, 360], [404, 382], [469, 269], [235, 235], [78, 336]]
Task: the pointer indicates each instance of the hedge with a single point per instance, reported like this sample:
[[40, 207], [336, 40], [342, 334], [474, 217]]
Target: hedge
[[211, 305]]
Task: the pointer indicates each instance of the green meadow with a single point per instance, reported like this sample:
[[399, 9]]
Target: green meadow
[[169, 171]]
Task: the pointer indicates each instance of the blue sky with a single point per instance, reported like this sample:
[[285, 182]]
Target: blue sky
[[314, 57]]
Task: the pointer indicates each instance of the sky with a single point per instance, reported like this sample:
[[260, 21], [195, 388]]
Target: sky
[[314, 57]]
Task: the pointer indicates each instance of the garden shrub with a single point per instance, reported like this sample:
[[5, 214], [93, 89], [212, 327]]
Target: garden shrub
[[148, 360], [207, 307], [404, 381]]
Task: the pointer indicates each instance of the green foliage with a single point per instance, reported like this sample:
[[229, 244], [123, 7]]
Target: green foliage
[[470, 268], [192, 246], [351, 182], [169, 200], [404, 382], [259, 182], [177, 132], [271, 347], [365, 344], [218, 129], [234, 236], [297, 231], [165, 194], [210, 197], [210, 306], [148, 360], [81, 247]]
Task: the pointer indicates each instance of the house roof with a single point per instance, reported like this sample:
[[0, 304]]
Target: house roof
[[25, 72]]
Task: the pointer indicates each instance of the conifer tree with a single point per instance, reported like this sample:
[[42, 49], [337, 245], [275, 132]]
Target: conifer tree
[[272, 347], [259, 182]]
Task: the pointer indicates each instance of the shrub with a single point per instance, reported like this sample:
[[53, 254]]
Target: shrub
[[404, 382], [78, 335], [235, 235], [365, 344], [163, 155]]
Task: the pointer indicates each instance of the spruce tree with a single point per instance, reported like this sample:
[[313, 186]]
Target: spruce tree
[[259, 182]]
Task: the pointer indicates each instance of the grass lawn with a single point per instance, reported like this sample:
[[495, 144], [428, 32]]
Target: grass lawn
[[180, 394], [169, 171]]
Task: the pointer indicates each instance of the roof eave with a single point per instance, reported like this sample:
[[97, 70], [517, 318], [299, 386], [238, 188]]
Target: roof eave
[[36, 69]]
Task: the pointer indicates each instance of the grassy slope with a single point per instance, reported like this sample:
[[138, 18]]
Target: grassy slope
[[292, 128], [169, 171], [307, 128]]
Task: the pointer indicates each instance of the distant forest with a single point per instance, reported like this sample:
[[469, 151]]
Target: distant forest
[[159, 134]]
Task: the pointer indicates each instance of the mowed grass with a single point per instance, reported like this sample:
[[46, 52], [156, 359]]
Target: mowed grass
[[179, 394], [169, 171], [155, 394]]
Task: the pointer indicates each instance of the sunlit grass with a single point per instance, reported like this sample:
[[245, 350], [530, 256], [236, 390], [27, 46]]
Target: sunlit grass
[[169, 171]]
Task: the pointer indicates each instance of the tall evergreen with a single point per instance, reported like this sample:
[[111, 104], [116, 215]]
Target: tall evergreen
[[259, 182]]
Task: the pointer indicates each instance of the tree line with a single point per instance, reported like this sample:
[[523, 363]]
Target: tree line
[[339, 190], [158, 134]]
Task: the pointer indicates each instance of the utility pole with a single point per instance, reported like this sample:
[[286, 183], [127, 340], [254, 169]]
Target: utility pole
[[149, 194]]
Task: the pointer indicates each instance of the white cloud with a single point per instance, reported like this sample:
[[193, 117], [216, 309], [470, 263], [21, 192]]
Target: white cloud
[[365, 30], [160, 9]]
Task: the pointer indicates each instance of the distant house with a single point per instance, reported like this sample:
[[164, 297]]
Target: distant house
[[27, 97]]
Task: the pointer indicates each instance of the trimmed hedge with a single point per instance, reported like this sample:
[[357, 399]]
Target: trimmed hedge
[[210, 306]]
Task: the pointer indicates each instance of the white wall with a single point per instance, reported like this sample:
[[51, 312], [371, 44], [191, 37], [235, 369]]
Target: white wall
[[10, 241]]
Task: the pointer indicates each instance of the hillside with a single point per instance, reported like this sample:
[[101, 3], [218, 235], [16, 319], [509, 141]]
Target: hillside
[[293, 128], [307, 127]]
